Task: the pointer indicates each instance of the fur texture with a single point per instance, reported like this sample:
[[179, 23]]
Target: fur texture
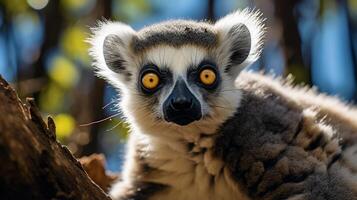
[[124, 49], [258, 138], [277, 146], [176, 33]]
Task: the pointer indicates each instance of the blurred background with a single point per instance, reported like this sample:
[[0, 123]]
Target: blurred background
[[43, 54]]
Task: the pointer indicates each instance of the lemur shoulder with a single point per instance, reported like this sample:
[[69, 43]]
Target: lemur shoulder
[[199, 132]]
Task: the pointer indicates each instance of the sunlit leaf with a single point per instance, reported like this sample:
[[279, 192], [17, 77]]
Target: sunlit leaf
[[73, 4], [65, 125], [64, 72], [78, 7], [74, 45], [15, 6], [353, 5], [51, 99], [131, 10]]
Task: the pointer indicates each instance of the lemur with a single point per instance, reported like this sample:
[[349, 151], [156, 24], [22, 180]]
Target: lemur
[[202, 128]]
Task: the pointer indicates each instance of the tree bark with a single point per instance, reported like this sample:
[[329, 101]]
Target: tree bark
[[284, 11], [33, 164]]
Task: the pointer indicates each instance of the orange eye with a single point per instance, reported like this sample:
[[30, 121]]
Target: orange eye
[[150, 80], [207, 76]]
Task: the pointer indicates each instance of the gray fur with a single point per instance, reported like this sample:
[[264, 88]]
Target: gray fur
[[241, 41], [274, 147], [175, 33], [112, 56], [276, 152]]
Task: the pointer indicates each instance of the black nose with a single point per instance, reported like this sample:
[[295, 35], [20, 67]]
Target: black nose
[[181, 106], [181, 103]]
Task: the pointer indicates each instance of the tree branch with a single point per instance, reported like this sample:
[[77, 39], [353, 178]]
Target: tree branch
[[33, 164]]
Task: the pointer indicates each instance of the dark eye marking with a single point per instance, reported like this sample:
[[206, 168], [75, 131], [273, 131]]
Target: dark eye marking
[[151, 78], [205, 75]]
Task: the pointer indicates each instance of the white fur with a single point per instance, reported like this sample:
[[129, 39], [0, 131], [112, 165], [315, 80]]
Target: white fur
[[254, 22], [177, 59], [104, 29], [189, 176], [161, 143]]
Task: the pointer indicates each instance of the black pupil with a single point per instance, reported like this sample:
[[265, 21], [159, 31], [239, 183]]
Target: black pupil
[[151, 80], [206, 75]]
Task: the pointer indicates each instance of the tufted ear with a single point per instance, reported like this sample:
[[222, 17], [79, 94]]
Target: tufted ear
[[241, 34], [110, 51]]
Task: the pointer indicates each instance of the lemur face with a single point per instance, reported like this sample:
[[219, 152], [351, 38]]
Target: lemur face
[[182, 83], [178, 73]]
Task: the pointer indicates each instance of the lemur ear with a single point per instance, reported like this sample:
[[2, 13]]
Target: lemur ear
[[241, 34], [110, 50]]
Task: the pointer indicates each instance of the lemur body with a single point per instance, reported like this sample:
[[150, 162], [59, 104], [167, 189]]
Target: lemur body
[[196, 133]]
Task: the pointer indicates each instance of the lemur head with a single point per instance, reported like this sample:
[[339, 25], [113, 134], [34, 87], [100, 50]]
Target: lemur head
[[178, 73]]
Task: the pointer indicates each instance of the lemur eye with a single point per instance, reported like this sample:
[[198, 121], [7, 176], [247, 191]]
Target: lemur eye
[[208, 76], [150, 80]]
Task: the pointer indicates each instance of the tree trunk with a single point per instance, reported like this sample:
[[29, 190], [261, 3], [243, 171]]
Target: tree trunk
[[33, 164], [285, 13]]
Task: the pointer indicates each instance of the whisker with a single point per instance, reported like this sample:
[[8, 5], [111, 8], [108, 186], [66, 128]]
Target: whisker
[[108, 104], [115, 126], [101, 120]]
